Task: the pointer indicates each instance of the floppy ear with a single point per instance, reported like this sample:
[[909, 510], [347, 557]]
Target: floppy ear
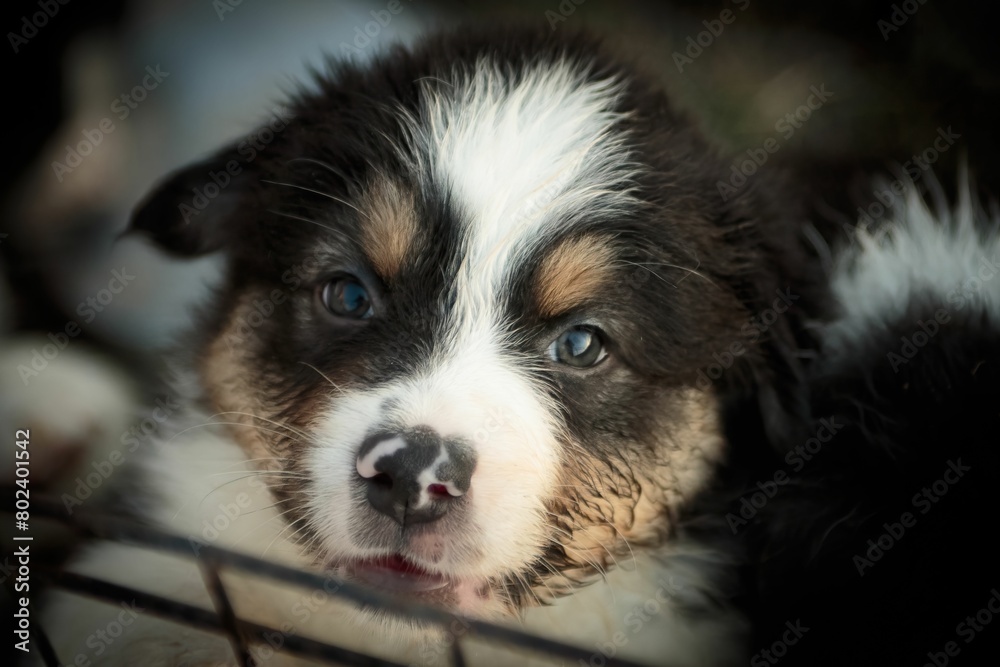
[[188, 213]]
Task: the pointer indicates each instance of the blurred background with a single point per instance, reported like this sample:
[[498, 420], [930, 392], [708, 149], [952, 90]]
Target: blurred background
[[104, 98]]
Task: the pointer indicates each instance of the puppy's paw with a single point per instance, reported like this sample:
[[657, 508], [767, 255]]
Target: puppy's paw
[[74, 405]]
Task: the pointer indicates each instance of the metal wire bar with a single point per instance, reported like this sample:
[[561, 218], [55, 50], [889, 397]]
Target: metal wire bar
[[204, 619], [45, 648], [116, 528], [210, 573], [457, 659]]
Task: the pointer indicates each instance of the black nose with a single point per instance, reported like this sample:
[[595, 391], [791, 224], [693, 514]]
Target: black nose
[[415, 476]]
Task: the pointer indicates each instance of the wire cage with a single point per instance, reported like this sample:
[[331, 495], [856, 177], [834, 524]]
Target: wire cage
[[244, 635]]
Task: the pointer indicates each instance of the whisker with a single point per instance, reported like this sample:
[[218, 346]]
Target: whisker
[[191, 428], [673, 266], [320, 193], [320, 163], [623, 539], [254, 473], [323, 375], [613, 527], [265, 419], [583, 555], [301, 219], [264, 523]]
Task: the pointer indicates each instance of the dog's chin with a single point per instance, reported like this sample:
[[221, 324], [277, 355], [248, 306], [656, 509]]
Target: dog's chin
[[407, 580]]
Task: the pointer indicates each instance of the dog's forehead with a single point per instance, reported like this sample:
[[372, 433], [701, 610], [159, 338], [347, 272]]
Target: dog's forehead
[[518, 152], [522, 159]]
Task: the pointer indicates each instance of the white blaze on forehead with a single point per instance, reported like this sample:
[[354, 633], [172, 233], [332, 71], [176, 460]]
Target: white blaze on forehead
[[521, 156]]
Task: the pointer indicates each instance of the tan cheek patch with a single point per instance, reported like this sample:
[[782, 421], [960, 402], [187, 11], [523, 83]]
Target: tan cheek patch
[[604, 514], [233, 384], [572, 273], [688, 458], [388, 226]]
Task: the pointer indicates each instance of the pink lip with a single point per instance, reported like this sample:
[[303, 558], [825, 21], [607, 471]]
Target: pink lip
[[396, 574]]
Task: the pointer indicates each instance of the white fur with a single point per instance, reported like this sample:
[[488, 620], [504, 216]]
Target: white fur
[[950, 259], [520, 162], [480, 398], [200, 477]]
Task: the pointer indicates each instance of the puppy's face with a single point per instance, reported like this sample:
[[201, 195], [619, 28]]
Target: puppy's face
[[470, 292]]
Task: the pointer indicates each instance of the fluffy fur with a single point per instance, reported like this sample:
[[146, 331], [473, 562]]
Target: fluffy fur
[[460, 183], [906, 377]]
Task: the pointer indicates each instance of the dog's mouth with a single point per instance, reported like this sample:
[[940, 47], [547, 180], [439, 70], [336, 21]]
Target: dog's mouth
[[396, 574], [400, 576]]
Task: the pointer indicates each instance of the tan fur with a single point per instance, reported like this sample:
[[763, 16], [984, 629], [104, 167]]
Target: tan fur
[[573, 272], [389, 226], [608, 511], [224, 372], [693, 451]]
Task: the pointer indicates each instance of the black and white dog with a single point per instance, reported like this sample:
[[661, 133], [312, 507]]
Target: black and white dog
[[491, 340]]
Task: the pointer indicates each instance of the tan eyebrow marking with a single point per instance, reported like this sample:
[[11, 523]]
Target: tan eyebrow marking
[[389, 226], [572, 272]]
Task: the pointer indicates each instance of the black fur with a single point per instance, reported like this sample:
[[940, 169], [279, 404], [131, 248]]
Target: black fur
[[899, 430]]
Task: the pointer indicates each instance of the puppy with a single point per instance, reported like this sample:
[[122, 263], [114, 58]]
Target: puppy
[[489, 340]]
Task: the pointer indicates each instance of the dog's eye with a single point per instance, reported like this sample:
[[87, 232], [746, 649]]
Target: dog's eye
[[345, 296], [579, 346]]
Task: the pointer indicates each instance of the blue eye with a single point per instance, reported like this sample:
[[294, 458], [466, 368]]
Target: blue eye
[[345, 296], [579, 346]]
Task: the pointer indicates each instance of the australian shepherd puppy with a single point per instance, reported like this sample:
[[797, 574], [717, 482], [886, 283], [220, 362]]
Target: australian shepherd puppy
[[491, 340]]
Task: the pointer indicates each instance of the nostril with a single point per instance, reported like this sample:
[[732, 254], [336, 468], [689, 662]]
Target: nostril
[[381, 479], [438, 491]]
